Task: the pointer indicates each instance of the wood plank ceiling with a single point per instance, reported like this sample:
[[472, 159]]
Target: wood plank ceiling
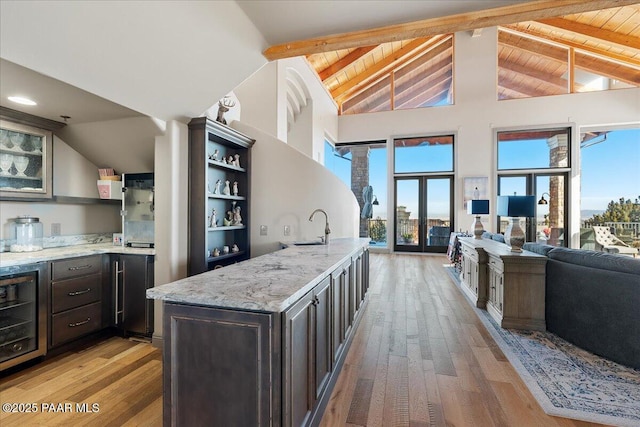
[[546, 56]]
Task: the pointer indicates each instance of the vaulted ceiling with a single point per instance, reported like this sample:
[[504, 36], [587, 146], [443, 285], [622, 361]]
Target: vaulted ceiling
[[537, 57]]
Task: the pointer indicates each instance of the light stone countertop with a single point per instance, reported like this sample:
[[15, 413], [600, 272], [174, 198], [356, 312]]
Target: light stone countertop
[[271, 282], [12, 259]]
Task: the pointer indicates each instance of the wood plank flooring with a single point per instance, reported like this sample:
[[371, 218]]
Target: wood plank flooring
[[420, 357]]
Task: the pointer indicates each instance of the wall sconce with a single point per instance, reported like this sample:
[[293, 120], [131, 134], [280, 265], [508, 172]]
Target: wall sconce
[[375, 200], [516, 207], [477, 208], [544, 201]]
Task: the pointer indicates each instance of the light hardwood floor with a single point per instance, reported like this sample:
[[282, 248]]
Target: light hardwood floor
[[420, 357]]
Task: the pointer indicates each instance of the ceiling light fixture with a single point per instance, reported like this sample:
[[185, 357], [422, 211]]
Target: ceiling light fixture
[[21, 100]]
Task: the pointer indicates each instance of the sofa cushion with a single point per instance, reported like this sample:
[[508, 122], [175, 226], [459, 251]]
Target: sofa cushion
[[594, 259], [538, 248], [498, 238]]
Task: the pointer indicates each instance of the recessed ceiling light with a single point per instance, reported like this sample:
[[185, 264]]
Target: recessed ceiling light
[[21, 100]]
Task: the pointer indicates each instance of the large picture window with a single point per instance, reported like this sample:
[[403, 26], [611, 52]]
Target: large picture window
[[537, 162]]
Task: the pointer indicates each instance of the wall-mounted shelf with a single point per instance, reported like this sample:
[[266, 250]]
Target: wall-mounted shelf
[[224, 196], [218, 164]]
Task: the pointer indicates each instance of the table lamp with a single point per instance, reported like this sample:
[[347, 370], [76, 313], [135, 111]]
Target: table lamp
[[477, 208], [516, 207]]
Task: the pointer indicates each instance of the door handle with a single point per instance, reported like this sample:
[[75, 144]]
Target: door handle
[[84, 322]]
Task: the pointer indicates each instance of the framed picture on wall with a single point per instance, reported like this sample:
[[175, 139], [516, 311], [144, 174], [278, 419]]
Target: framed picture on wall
[[475, 187]]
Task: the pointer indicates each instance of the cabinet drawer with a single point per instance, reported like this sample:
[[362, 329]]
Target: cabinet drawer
[[72, 324], [469, 252], [496, 264], [74, 293], [76, 267]]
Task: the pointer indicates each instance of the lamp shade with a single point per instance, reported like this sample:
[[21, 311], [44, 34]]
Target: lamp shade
[[478, 207], [516, 206]]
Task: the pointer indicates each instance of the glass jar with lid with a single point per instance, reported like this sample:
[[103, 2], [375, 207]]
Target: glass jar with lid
[[27, 234]]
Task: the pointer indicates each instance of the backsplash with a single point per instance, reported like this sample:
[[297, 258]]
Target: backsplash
[[70, 240]]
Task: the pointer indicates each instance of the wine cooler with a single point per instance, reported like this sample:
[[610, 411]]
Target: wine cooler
[[22, 314]]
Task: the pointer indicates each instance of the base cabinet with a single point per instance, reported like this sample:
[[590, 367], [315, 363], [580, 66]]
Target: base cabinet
[[76, 298], [131, 276], [243, 368], [220, 367], [510, 285], [307, 353]]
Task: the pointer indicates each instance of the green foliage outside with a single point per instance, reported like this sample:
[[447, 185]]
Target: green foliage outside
[[378, 230], [620, 211]]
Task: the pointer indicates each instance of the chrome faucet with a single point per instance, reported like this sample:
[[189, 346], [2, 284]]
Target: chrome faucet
[[327, 230]]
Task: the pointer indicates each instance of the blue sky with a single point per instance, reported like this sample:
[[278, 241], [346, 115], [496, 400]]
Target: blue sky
[[609, 170]]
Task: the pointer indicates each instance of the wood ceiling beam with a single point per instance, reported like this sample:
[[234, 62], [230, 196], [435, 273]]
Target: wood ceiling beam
[[396, 60], [607, 69], [337, 66], [623, 41], [524, 88], [515, 41], [529, 11], [418, 97], [541, 76]]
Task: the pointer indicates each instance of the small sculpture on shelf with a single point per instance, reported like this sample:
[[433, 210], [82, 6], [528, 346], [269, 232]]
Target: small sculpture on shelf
[[235, 248], [213, 221], [225, 249], [216, 190], [215, 252], [236, 160], [235, 188], [230, 161], [223, 106], [226, 191], [224, 160], [214, 156], [228, 220], [237, 219]]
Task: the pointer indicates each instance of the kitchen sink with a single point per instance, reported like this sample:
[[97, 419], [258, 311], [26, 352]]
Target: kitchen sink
[[308, 243]]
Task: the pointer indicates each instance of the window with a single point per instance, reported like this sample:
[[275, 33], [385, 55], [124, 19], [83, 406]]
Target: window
[[533, 61], [536, 162], [609, 184], [360, 165], [423, 154], [422, 77]]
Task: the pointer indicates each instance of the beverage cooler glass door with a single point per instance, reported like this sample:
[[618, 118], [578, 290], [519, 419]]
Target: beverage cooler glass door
[[22, 311], [138, 206]]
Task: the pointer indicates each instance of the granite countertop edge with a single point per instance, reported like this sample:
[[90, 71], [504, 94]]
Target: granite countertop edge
[[13, 259], [268, 283]]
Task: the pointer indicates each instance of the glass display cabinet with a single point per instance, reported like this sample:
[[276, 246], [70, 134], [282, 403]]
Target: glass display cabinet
[[25, 161]]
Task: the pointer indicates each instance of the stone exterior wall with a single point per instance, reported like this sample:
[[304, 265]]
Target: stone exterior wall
[[359, 180], [558, 157]]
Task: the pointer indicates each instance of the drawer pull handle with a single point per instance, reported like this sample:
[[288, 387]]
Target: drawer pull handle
[[84, 322], [73, 294], [80, 267]]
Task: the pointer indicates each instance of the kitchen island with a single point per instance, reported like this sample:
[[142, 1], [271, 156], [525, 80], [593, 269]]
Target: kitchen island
[[262, 342]]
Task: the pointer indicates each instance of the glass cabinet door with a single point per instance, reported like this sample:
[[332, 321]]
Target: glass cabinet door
[[25, 161]]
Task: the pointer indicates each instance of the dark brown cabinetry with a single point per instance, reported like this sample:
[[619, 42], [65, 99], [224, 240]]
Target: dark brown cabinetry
[[307, 352], [234, 367], [213, 148], [221, 367], [131, 276], [76, 298]]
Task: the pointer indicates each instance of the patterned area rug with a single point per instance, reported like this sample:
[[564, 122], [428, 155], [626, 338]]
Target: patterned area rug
[[566, 380]]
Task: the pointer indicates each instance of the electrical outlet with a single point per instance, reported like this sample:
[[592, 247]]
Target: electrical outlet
[[263, 230], [287, 230], [55, 228]]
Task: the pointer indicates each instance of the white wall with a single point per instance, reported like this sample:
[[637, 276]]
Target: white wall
[[264, 106], [73, 176], [286, 186], [165, 59], [171, 182], [127, 145], [477, 113]]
